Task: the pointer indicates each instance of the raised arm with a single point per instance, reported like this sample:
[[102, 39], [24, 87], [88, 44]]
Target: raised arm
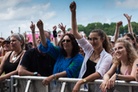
[[41, 30], [74, 21], [130, 29], [32, 27], [116, 34]]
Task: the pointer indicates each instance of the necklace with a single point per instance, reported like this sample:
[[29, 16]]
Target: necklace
[[15, 56], [95, 58]]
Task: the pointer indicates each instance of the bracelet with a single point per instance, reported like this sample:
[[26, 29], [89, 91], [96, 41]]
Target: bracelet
[[84, 80], [54, 76]]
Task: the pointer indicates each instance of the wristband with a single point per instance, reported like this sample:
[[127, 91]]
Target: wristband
[[54, 33], [35, 73]]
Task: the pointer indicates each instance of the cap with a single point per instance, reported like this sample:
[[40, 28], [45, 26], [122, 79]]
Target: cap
[[7, 40]]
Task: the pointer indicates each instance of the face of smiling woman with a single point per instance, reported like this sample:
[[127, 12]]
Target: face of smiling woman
[[67, 45], [95, 40], [120, 51]]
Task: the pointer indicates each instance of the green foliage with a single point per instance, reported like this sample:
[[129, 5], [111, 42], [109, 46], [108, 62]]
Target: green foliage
[[108, 28]]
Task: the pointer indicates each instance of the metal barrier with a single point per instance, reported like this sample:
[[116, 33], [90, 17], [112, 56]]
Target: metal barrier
[[5, 86], [34, 84]]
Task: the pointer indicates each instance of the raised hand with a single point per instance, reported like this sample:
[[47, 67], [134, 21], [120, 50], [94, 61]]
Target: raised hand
[[32, 27], [40, 25], [128, 17], [62, 27], [54, 28], [72, 6], [119, 23]]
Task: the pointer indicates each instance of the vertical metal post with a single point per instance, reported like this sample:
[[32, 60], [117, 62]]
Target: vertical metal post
[[63, 87], [27, 86], [130, 88]]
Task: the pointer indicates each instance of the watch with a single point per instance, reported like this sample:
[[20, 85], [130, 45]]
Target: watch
[[35, 73]]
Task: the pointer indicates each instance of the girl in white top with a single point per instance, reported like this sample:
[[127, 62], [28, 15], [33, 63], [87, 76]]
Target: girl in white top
[[96, 50]]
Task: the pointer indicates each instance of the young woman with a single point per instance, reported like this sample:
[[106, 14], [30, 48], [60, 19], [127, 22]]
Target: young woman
[[97, 59], [124, 64]]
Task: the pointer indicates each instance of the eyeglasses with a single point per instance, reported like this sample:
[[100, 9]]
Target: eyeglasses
[[65, 40]]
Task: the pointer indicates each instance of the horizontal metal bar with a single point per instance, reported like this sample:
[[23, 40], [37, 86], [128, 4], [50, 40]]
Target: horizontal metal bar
[[98, 81]]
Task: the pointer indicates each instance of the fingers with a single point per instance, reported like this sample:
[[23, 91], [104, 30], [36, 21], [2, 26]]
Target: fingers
[[103, 87], [45, 82], [110, 84], [40, 24], [73, 6]]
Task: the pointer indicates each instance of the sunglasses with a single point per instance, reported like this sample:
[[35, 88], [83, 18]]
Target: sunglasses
[[65, 40], [89, 38]]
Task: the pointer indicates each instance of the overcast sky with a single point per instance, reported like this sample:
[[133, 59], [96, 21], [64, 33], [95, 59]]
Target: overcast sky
[[20, 13]]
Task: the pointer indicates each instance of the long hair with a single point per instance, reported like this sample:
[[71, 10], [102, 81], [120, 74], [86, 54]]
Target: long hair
[[75, 49], [102, 34], [131, 52]]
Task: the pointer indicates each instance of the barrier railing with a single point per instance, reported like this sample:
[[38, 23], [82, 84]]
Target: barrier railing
[[34, 84]]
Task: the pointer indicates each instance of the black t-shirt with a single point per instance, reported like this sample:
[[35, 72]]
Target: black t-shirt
[[34, 61], [90, 68]]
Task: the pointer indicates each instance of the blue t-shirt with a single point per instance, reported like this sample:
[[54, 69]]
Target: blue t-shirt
[[72, 65]]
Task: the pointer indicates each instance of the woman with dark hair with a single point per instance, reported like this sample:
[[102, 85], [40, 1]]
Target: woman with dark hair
[[97, 59], [68, 59]]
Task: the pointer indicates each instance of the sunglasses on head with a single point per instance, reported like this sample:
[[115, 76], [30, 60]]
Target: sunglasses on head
[[65, 40]]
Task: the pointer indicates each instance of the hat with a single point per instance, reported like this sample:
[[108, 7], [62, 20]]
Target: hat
[[7, 40]]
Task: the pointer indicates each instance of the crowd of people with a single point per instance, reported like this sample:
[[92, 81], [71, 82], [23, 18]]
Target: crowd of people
[[71, 54]]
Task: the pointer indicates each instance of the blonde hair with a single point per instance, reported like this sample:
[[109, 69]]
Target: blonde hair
[[131, 52]]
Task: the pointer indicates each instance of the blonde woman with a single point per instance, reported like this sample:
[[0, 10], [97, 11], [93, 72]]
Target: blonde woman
[[124, 64]]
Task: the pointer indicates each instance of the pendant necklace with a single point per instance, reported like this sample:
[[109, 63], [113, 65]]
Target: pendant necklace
[[15, 56]]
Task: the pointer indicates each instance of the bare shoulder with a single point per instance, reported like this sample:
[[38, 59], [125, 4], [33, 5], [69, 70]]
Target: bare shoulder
[[7, 54]]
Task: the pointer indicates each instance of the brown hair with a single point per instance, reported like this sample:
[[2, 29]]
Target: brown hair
[[102, 34]]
